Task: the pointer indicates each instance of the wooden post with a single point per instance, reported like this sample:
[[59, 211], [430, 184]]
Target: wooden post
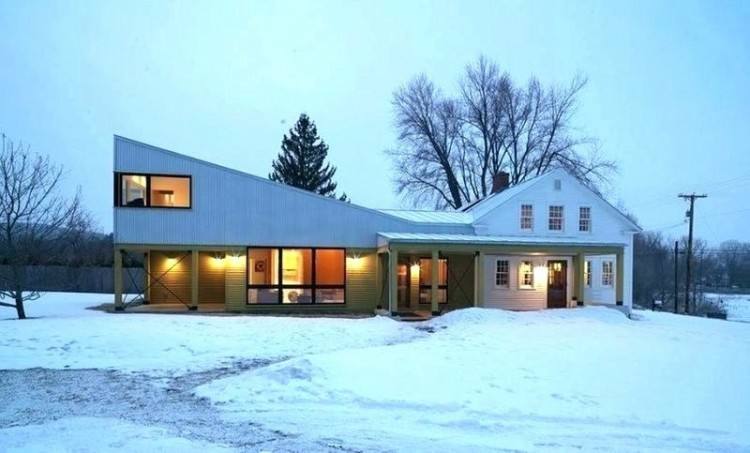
[[620, 272], [479, 279], [146, 278], [435, 269], [195, 262], [580, 278], [393, 281], [117, 270]]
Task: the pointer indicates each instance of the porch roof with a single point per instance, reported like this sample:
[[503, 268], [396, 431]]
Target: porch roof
[[387, 238]]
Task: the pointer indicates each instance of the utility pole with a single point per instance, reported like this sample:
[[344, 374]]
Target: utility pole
[[690, 214], [676, 254]]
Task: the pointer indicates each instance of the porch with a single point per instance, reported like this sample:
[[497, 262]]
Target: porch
[[432, 274]]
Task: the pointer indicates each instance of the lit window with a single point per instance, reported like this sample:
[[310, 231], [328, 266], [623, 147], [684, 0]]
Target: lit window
[[526, 275], [296, 276], [170, 191], [133, 190], [587, 273], [555, 218], [527, 217], [425, 280], [160, 191], [584, 219], [502, 279], [608, 274]]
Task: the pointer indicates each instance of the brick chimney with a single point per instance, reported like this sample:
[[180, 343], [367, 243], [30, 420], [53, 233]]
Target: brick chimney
[[500, 182]]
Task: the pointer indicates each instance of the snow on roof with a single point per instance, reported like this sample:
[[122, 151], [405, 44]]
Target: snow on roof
[[416, 215], [388, 237]]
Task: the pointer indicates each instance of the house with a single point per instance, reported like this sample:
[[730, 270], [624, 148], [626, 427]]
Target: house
[[211, 236]]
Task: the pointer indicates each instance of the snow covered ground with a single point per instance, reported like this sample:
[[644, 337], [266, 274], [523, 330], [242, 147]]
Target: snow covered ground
[[736, 305], [66, 335], [472, 380]]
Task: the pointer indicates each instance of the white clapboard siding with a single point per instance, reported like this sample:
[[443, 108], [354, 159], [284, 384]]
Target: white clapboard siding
[[515, 298]]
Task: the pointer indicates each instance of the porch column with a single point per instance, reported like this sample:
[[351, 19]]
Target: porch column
[[580, 278], [117, 270], [479, 279], [434, 267], [620, 279], [393, 281], [194, 255], [147, 278]]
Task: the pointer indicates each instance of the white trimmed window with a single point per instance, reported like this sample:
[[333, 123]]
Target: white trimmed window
[[555, 218], [587, 273], [584, 219], [526, 275], [527, 217], [502, 273], [608, 274]]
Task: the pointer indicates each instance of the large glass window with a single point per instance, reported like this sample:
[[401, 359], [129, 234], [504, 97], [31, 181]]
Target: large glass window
[[425, 280], [170, 191], [159, 191], [296, 276], [133, 190]]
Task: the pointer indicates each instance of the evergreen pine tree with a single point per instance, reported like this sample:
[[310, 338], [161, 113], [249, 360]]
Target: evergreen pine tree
[[301, 162]]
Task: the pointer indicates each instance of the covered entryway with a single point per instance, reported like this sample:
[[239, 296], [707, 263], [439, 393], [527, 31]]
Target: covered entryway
[[502, 272]]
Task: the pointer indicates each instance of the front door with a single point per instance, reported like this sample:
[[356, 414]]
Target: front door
[[557, 284]]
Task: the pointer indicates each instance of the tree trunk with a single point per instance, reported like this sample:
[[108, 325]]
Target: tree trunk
[[19, 306]]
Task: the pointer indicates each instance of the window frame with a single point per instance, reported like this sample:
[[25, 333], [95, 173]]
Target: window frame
[[581, 219], [609, 275], [521, 285], [550, 218], [498, 273], [521, 217], [147, 205], [429, 286], [587, 273], [280, 287]]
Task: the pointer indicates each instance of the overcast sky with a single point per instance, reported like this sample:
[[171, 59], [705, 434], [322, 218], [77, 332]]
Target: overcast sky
[[668, 93]]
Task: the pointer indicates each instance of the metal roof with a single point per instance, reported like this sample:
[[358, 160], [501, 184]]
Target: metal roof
[[416, 215], [388, 237]]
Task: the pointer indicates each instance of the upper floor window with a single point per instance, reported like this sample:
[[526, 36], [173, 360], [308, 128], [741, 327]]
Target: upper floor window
[[527, 217], [556, 218], [608, 274], [502, 273], [584, 219], [157, 191]]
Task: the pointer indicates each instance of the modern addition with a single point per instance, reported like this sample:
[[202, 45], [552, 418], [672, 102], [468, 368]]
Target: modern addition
[[208, 235]]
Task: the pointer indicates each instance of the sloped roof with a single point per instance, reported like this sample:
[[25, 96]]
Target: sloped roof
[[480, 208], [485, 239], [416, 215]]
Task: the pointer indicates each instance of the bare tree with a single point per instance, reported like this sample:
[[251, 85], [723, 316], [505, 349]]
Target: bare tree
[[449, 150], [38, 225], [429, 128]]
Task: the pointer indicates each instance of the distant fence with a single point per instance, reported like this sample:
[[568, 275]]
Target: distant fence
[[80, 279]]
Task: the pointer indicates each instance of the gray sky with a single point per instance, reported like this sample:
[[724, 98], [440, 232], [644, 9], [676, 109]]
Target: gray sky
[[668, 93]]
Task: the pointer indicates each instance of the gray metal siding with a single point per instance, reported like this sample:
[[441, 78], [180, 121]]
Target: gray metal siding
[[234, 208]]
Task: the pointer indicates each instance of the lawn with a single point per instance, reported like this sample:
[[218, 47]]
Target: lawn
[[471, 380]]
